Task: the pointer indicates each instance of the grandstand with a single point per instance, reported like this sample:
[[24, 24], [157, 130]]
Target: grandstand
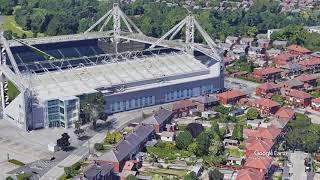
[[130, 69]]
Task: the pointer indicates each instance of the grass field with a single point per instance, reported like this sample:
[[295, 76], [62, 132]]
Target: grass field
[[10, 24], [12, 91]]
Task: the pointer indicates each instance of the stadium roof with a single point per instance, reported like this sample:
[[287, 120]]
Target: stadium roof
[[132, 74]]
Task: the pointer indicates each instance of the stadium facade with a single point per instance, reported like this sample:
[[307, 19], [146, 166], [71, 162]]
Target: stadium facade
[[130, 69]]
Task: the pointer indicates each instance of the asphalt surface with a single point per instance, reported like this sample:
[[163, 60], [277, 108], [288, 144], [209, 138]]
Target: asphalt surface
[[298, 167]]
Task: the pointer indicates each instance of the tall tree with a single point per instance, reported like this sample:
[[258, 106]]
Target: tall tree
[[215, 174], [183, 140]]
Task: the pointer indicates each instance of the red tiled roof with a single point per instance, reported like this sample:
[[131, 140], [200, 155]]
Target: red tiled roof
[[266, 103], [258, 162], [285, 58], [306, 77], [249, 174], [310, 62], [267, 86], [298, 48], [285, 113], [271, 133], [299, 94], [316, 100], [231, 94], [266, 71], [182, 104], [259, 145]]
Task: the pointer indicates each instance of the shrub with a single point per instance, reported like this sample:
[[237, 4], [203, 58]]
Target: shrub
[[113, 138], [183, 140], [9, 178], [98, 146], [24, 176]]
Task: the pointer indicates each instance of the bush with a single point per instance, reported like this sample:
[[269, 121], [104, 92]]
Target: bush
[[24, 176], [113, 138], [99, 147], [9, 178], [16, 162], [183, 140], [252, 114]]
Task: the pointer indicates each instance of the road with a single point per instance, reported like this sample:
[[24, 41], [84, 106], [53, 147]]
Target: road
[[298, 168], [120, 120]]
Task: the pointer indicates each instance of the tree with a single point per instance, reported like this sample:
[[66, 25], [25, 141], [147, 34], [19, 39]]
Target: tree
[[215, 174], [216, 146], [252, 114], [214, 129], [113, 138], [63, 142], [8, 34], [191, 176], [92, 108], [79, 132], [203, 141], [195, 129], [131, 177], [237, 133], [98, 146], [183, 140]]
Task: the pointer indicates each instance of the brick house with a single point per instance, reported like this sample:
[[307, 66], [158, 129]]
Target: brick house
[[298, 50], [315, 104], [308, 80], [298, 98], [182, 108], [205, 102], [230, 97], [159, 119], [285, 114], [292, 84], [127, 148], [266, 106], [269, 133], [267, 74], [254, 146], [311, 65], [250, 174], [263, 164], [96, 172], [267, 89], [283, 59]]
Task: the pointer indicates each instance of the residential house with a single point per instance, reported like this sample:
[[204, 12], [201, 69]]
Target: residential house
[[282, 59], [263, 43], [298, 98], [97, 172], [261, 163], [127, 148], [292, 84], [298, 50], [285, 114], [254, 52], [236, 112], [267, 74], [230, 97], [292, 69], [250, 174], [266, 106], [246, 41], [239, 49], [205, 102], [209, 114], [159, 119], [269, 133], [308, 80], [168, 136], [182, 108], [279, 44], [273, 52], [258, 146], [230, 143], [311, 65], [267, 89], [315, 104], [232, 40]]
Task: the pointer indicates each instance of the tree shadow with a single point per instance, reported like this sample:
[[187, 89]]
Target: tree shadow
[[83, 138], [105, 125]]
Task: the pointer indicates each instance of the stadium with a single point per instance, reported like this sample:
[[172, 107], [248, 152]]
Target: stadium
[[130, 69]]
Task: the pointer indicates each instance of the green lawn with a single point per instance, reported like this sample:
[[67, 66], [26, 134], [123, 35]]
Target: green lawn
[[10, 24], [234, 153], [165, 172], [16, 162]]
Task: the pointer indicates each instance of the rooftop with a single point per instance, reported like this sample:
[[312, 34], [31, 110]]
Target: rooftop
[[249, 174], [299, 94], [158, 117], [307, 77], [266, 71], [231, 94], [266, 103], [298, 49], [267, 86]]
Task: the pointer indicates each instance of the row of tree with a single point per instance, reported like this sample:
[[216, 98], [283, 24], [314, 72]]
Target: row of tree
[[155, 18]]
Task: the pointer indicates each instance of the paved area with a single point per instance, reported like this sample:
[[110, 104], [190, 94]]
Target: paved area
[[27, 147], [298, 168], [240, 84]]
